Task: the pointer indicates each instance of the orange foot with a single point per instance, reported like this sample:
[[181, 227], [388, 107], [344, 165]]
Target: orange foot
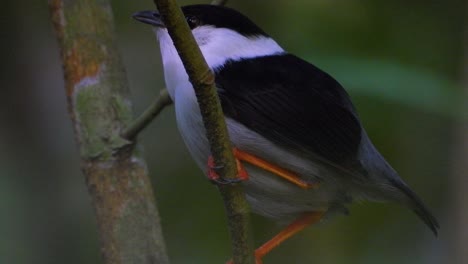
[[214, 176]]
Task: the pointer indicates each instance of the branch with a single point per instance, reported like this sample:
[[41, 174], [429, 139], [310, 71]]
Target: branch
[[203, 82], [145, 119], [99, 106]]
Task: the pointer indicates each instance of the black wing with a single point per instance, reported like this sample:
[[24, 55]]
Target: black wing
[[292, 103]]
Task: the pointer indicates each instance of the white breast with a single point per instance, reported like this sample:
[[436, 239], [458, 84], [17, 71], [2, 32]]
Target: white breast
[[268, 194], [188, 115]]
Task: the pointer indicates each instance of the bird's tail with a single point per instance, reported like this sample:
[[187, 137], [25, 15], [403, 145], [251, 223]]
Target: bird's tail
[[377, 165], [418, 206]]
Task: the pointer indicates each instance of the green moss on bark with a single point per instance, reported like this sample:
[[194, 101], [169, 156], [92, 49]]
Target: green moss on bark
[[99, 106]]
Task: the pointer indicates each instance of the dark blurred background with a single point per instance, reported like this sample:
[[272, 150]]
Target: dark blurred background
[[403, 62]]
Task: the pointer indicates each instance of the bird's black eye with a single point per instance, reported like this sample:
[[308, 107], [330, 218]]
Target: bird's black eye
[[193, 22]]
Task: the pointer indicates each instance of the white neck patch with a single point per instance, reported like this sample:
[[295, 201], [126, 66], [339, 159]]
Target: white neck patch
[[218, 46]]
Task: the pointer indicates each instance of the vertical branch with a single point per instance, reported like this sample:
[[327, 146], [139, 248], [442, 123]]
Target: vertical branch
[[203, 82], [99, 106]]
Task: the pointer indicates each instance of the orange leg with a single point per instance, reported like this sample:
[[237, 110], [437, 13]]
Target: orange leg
[[292, 229], [283, 173]]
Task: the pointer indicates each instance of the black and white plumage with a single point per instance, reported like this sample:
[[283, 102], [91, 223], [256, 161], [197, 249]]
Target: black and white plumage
[[284, 110]]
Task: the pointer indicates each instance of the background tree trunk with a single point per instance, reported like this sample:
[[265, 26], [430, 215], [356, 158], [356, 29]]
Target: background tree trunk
[[100, 109]]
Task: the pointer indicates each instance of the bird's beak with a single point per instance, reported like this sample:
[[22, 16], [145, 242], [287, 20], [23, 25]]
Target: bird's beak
[[149, 17]]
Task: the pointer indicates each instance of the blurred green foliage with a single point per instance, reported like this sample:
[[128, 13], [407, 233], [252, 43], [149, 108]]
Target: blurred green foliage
[[401, 84], [401, 61]]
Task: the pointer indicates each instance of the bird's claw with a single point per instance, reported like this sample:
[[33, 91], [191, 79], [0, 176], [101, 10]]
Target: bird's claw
[[213, 173], [225, 181]]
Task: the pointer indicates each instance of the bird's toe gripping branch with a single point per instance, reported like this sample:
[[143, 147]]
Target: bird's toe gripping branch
[[215, 178], [242, 156]]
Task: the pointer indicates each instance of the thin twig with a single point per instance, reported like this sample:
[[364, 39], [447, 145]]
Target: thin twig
[[203, 82], [145, 119]]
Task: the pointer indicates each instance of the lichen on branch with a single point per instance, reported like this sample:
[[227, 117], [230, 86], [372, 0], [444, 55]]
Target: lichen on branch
[[99, 106]]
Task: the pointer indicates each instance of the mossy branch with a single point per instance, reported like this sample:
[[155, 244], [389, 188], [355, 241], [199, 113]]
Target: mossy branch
[[100, 108], [203, 82]]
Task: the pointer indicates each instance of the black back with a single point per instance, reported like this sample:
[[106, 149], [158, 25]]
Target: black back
[[292, 103]]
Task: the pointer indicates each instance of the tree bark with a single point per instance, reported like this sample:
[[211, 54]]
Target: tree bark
[[100, 109], [203, 82]]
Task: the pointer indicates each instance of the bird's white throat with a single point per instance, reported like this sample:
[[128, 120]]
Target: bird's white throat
[[218, 46]]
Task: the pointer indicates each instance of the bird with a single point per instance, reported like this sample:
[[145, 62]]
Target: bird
[[302, 152]]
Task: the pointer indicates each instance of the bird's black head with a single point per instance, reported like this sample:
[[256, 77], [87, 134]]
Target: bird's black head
[[222, 33], [208, 15]]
